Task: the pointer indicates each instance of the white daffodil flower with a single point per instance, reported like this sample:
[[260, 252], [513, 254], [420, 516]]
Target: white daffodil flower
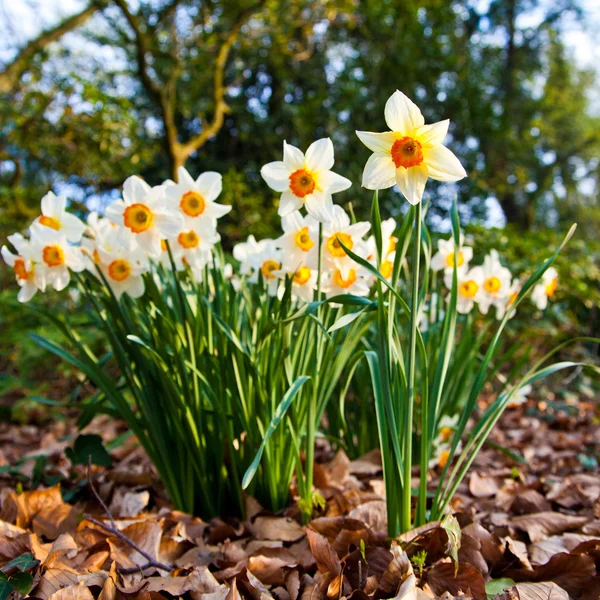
[[55, 257], [346, 278], [444, 257], [389, 241], [442, 454], [306, 180], [244, 250], [496, 284], [193, 247], [266, 262], [304, 282], [123, 269], [545, 289], [519, 396], [300, 235], [195, 199], [54, 216], [143, 215], [507, 305], [470, 284], [337, 230], [410, 153], [446, 427], [29, 278]]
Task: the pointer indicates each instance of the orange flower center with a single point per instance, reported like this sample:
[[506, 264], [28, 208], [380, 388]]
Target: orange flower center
[[188, 239], [96, 256], [468, 289], [334, 246], [302, 183], [192, 204], [512, 298], [50, 222], [450, 259], [443, 459], [551, 287], [119, 269], [344, 283], [53, 256], [407, 152], [163, 245], [302, 275], [446, 433], [492, 285], [268, 267], [392, 245], [138, 217], [303, 240], [20, 269], [387, 267]]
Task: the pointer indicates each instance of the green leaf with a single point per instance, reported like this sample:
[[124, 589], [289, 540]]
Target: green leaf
[[279, 414], [451, 526], [6, 589], [89, 447], [497, 586], [22, 563], [21, 582]]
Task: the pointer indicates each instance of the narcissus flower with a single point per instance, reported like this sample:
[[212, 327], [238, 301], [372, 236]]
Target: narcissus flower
[[304, 282], [54, 257], [337, 230], [519, 396], [496, 284], [410, 153], [300, 235], [347, 278], [443, 259], [306, 180], [470, 288], [195, 199], [54, 216], [243, 252], [123, 269], [265, 264], [143, 216], [545, 289], [29, 278], [193, 247]]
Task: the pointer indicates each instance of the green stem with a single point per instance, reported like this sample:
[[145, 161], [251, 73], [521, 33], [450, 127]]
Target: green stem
[[412, 358]]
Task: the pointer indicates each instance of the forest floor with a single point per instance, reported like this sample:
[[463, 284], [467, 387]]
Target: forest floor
[[526, 524]]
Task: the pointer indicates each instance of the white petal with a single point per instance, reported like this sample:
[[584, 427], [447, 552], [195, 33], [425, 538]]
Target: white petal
[[288, 203], [320, 206], [185, 179], [332, 182], [136, 190], [277, 176], [61, 278], [114, 212], [379, 173], [74, 259], [216, 211], [442, 164], [210, 185], [53, 206], [8, 256], [293, 158], [135, 287], [412, 182], [292, 222], [319, 156], [73, 227], [27, 292], [149, 242], [402, 114], [434, 134], [377, 142], [169, 224]]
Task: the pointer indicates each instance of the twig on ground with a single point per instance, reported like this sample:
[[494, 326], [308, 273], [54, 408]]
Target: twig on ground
[[112, 528]]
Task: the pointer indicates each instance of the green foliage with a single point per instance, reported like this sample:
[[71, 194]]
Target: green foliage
[[89, 449]]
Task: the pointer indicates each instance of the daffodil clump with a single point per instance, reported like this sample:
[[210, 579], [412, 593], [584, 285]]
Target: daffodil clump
[[225, 373]]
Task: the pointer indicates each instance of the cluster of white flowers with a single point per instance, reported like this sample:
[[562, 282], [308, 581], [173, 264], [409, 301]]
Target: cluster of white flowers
[[138, 228], [490, 284]]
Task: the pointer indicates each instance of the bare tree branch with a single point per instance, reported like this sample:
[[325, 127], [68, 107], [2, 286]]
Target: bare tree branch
[[13, 72]]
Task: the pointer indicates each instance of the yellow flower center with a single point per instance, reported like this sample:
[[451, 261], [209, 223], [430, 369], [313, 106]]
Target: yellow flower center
[[443, 459], [302, 275], [163, 245], [551, 287], [302, 183], [334, 246], [138, 217], [387, 266], [53, 256], [188, 239], [303, 240], [119, 269], [492, 285], [192, 204], [96, 256], [20, 270], [50, 222], [392, 245], [344, 283], [268, 267], [450, 259], [446, 433], [407, 152], [468, 289], [512, 298]]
